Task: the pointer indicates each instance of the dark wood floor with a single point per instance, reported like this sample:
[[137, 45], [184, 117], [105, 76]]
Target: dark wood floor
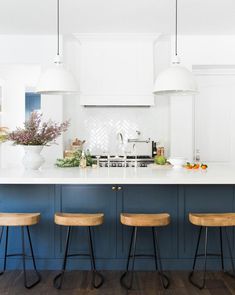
[[145, 283]]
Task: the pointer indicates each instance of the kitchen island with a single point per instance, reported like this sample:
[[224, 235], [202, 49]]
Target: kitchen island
[[112, 191]]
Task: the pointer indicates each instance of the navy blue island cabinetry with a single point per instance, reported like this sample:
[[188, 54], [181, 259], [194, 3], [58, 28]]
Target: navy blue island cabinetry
[[177, 241]]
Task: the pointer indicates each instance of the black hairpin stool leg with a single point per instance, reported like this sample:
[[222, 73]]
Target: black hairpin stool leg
[[5, 252], [130, 255], [230, 254], [93, 266], [29, 286], [58, 280], [205, 260], [164, 279]]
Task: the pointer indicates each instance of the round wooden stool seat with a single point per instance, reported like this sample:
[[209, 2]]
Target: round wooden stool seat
[[19, 219], [212, 219], [161, 219], [79, 219]]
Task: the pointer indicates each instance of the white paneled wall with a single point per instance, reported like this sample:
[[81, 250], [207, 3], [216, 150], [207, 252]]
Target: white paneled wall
[[215, 114]]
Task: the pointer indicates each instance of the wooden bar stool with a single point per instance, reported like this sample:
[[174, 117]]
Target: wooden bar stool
[[79, 219], [24, 220], [144, 220], [205, 221]]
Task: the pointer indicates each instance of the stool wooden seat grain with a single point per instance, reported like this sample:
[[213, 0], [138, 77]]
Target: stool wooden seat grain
[[212, 219], [70, 220], [23, 220], [150, 220], [79, 219], [206, 221], [137, 220]]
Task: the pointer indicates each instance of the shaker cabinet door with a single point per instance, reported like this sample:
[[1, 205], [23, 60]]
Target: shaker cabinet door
[[90, 199]]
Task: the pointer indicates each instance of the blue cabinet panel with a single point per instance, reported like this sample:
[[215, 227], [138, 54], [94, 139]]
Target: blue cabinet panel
[[91, 199], [149, 199], [30, 198], [202, 199]]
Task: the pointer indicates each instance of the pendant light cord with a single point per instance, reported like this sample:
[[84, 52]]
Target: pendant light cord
[[58, 27], [176, 27]]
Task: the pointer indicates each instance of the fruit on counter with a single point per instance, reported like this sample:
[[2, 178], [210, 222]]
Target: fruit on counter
[[204, 166], [188, 165], [160, 160], [195, 166]]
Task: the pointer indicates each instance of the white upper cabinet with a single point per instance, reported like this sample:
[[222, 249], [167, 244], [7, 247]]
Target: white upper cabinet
[[117, 70]]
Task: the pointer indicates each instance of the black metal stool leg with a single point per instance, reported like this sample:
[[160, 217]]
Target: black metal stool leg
[[33, 259], [59, 278], [205, 260], [23, 255], [5, 252], [230, 254], [2, 229], [164, 279], [130, 255], [93, 266], [221, 248]]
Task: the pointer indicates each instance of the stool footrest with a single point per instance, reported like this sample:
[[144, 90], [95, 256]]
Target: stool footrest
[[208, 254], [19, 254], [78, 254], [142, 255]]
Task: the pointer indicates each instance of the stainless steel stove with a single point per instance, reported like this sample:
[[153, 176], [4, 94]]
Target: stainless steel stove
[[123, 161]]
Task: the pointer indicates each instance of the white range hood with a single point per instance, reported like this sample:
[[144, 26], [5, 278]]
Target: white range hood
[[117, 70]]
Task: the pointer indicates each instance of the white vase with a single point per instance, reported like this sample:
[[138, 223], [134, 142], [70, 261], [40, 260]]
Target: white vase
[[32, 159]]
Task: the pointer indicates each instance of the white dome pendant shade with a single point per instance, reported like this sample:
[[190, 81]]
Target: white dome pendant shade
[[57, 80], [175, 80]]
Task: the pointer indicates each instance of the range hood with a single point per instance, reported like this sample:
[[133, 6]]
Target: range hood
[[116, 70]]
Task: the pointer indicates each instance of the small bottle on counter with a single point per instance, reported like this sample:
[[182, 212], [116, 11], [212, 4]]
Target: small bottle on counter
[[197, 155], [154, 149], [160, 150], [83, 160]]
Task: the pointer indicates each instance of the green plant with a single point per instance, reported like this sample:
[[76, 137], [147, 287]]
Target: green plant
[[74, 161]]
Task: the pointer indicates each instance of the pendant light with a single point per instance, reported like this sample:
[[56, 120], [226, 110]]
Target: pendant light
[[56, 79], [176, 80]]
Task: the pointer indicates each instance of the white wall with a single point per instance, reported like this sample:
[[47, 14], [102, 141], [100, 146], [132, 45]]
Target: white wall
[[195, 51], [21, 61]]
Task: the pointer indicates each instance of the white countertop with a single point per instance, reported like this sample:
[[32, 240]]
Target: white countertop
[[215, 174]]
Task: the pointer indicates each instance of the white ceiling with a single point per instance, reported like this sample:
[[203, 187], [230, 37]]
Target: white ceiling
[[129, 16]]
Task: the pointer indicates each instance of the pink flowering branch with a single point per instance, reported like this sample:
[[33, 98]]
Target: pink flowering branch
[[37, 133]]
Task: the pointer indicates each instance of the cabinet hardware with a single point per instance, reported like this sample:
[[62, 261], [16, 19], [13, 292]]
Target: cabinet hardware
[[114, 188], [119, 188]]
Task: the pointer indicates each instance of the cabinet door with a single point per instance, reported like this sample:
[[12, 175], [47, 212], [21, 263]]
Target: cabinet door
[[90, 199], [202, 199], [30, 198], [149, 199]]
